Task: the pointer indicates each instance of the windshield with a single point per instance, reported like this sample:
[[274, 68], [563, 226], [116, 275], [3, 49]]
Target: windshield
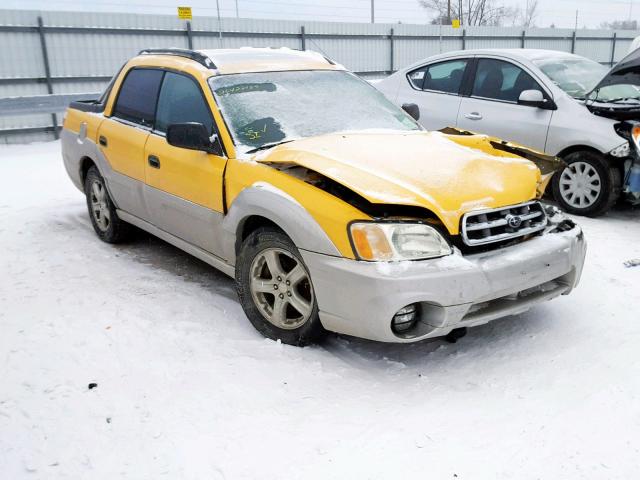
[[274, 107], [578, 76]]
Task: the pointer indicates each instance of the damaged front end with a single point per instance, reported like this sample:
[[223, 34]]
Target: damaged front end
[[557, 220], [553, 220], [630, 130], [348, 195], [547, 164], [616, 96]]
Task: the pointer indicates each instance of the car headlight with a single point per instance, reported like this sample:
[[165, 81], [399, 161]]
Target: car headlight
[[635, 134], [621, 150], [397, 241]]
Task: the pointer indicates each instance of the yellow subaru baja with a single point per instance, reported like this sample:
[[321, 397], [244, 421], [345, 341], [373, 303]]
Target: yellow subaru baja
[[332, 208]]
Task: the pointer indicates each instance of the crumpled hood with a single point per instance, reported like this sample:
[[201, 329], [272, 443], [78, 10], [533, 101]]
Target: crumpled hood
[[446, 174]]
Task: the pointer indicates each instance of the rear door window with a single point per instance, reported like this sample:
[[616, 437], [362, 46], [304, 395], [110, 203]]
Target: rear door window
[[181, 101], [138, 95], [443, 77]]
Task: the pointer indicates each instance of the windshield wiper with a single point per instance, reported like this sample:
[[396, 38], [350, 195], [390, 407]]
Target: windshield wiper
[[269, 145], [625, 100], [629, 100]]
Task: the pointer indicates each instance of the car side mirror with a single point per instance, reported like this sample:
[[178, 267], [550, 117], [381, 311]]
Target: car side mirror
[[412, 109], [532, 98], [194, 136]]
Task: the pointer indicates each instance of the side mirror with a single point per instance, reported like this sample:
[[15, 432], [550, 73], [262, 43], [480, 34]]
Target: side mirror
[[412, 109], [193, 136], [532, 98]]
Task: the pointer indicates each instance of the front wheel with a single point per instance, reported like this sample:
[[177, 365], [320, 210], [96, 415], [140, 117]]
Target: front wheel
[[275, 289], [588, 185]]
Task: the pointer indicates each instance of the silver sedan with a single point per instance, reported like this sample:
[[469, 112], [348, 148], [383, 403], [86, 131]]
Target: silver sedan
[[551, 101]]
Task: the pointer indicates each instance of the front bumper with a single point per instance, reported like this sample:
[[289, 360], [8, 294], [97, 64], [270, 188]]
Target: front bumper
[[360, 298]]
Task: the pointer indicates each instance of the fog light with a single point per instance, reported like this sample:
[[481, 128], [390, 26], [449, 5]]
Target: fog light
[[405, 319]]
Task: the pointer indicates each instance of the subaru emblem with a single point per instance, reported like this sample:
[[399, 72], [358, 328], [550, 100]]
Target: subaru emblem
[[514, 221]]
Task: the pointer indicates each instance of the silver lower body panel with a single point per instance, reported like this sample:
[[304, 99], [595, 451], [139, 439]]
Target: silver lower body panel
[[360, 298]]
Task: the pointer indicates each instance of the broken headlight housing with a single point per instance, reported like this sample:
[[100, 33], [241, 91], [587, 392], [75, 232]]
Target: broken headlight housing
[[630, 130], [621, 150], [390, 241], [635, 134]]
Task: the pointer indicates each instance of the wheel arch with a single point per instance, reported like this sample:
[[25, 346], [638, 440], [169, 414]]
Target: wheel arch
[[250, 224], [265, 205], [578, 148], [613, 162], [85, 164]]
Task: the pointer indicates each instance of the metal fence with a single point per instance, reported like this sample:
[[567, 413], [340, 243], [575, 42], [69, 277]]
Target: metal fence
[[49, 58]]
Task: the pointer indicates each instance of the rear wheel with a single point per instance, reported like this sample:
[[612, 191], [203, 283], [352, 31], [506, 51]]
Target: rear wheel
[[102, 212], [588, 185], [275, 289]]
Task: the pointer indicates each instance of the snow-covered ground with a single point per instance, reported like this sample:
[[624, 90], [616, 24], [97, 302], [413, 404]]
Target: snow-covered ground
[[186, 389]]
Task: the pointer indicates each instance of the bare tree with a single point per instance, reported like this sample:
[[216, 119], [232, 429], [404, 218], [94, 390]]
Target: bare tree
[[527, 17], [474, 12]]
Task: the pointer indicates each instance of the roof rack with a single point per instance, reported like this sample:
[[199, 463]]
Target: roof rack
[[181, 52]]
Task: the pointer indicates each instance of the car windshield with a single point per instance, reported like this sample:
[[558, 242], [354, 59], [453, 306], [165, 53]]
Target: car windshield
[[578, 76], [262, 109]]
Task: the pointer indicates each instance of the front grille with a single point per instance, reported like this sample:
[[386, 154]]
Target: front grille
[[500, 224]]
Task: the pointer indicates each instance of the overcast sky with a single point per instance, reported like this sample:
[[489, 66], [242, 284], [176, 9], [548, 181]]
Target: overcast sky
[[560, 12]]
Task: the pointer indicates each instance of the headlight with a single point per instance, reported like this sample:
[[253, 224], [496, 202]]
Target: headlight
[[621, 150], [635, 135], [397, 241]]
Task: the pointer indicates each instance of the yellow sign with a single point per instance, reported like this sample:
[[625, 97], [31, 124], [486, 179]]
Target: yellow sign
[[455, 23], [184, 13]]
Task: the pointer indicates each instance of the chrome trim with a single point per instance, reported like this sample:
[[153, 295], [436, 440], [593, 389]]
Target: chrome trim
[[501, 222]]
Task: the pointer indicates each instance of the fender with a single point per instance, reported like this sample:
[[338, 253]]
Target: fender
[[75, 147], [265, 200]]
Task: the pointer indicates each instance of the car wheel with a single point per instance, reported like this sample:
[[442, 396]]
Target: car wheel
[[102, 212], [275, 289], [588, 185]]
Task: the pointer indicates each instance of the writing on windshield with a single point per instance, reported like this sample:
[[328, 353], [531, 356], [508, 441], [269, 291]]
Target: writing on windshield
[[273, 107]]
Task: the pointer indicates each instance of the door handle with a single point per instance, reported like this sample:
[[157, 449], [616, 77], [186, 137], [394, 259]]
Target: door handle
[[103, 140], [154, 161], [473, 116]]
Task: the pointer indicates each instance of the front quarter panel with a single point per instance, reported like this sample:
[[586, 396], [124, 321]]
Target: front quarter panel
[[315, 220], [573, 124]]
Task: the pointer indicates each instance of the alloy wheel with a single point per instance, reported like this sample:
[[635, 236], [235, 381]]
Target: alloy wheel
[[281, 288], [99, 206]]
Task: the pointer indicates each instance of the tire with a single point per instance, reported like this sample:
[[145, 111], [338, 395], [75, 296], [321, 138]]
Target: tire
[[277, 309], [102, 212], [588, 186]]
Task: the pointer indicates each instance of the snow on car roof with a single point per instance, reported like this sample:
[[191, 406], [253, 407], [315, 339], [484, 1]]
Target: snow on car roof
[[531, 54], [524, 54], [251, 59]]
